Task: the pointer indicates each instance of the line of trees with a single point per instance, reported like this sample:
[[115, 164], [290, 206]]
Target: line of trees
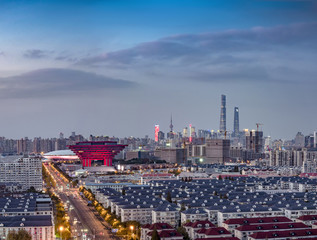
[[69, 178], [48, 179], [60, 218], [19, 235], [112, 218]]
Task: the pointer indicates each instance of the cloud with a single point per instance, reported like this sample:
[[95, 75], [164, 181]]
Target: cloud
[[36, 53], [226, 54], [53, 81]]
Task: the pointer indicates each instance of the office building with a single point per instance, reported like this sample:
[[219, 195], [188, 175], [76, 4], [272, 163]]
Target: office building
[[171, 155], [223, 114], [310, 141], [299, 140], [160, 136], [156, 131], [138, 154], [185, 132], [217, 151], [236, 122]]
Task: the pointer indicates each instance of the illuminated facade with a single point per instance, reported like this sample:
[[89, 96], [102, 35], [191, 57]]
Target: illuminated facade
[[157, 129], [96, 151]]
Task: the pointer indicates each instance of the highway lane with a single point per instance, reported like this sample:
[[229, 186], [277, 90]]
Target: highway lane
[[87, 226]]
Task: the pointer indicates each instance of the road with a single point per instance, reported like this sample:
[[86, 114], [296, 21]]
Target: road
[[85, 221]]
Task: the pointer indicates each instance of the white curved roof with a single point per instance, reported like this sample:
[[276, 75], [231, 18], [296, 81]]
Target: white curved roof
[[60, 153]]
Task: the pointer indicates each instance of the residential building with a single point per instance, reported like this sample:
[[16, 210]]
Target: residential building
[[26, 171]]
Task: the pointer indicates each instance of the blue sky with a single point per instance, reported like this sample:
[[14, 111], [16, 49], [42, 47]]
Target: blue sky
[[120, 67]]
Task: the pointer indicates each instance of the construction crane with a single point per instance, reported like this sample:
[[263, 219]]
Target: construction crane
[[257, 126]]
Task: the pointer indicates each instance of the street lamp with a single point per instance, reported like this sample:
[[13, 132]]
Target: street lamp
[[132, 228], [61, 229]]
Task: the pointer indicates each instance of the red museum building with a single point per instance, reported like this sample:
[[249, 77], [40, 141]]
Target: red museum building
[[96, 151]]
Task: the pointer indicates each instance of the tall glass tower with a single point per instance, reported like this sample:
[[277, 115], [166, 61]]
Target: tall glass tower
[[223, 114], [236, 122]]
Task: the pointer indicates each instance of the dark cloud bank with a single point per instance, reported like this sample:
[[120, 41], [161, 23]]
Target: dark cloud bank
[[54, 81], [227, 55]]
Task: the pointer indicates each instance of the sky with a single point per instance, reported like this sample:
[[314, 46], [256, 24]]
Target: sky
[[118, 67]]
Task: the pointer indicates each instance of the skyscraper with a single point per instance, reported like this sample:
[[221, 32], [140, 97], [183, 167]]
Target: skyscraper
[[171, 125], [157, 129], [223, 114], [236, 122]]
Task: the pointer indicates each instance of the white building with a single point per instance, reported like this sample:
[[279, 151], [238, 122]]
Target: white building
[[247, 212], [32, 212], [137, 212], [24, 171], [39, 227], [166, 213], [194, 215]]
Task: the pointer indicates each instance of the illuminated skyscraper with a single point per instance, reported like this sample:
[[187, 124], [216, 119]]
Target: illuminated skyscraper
[[223, 114], [157, 129], [236, 122]]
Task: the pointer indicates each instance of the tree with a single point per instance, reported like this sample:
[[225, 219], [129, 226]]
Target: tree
[[20, 235], [155, 235], [182, 231], [183, 208], [31, 189], [75, 182], [169, 197]]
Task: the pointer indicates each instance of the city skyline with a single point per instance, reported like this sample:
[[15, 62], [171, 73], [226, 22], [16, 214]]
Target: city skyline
[[119, 67]]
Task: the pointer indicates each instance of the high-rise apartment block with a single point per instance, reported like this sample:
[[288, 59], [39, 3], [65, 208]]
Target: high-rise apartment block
[[294, 157], [223, 114], [254, 141], [24, 145], [24, 171]]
